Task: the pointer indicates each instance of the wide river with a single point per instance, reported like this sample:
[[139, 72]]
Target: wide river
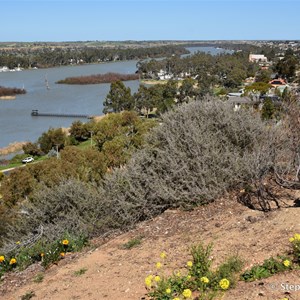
[[16, 122]]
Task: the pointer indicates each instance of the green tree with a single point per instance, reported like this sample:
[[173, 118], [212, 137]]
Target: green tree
[[186, 90], [79, 131], [258, 87], [118, 99], [54, 137], [268, 110], [32, 149]]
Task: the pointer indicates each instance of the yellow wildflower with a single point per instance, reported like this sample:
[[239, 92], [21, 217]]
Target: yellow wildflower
[[157, 278], [188, 277], [224, 284], [158, 265], [163, 255], [297, 237], [65, 242], [286, 263], [189, 264], [12, 261], [62, 254], [168, 291], [178, 274], [42, 254], [148, 281], [204, 279], [18, 242], [291, 240], [187, 293], [2, 258]]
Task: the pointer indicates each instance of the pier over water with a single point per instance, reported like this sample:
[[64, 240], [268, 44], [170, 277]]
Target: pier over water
[[36, 113]]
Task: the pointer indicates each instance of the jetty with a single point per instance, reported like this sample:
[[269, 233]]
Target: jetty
[[36, 113]]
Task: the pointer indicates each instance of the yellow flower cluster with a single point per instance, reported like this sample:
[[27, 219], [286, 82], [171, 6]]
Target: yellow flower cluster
[[148, 281], [187, 293], [168, 291], [295, 238], [189, 264], [65, 242], [286, 263], [12, 261], [2, 258], [158, 265], [163, 255], [224, 284], [157, 278], [204, 279]]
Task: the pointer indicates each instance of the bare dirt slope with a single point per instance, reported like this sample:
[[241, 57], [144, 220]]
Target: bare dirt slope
[[113, 272]]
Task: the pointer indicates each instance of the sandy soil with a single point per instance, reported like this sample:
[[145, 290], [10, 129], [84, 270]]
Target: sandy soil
[[113, 272]]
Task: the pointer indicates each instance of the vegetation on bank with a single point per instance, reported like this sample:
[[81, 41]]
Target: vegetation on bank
[[5, 91], [99, 78]]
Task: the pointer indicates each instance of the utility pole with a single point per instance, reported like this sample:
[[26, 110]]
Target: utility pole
[[57, 150], [91, 132]]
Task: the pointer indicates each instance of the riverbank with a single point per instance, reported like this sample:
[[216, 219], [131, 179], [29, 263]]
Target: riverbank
[[12, 148]]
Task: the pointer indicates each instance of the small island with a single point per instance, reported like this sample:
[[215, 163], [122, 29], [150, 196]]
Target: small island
[[10, 93], [99, 78]]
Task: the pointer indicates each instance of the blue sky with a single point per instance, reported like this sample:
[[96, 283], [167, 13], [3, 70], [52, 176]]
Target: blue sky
[[81, 20]]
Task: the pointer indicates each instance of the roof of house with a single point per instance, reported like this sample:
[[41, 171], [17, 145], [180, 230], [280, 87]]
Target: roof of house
[[278, 81]]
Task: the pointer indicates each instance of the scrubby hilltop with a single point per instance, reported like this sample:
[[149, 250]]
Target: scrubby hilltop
[[204, 157]]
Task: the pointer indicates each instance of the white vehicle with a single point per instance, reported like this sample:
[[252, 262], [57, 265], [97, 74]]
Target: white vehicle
[[27, 160]]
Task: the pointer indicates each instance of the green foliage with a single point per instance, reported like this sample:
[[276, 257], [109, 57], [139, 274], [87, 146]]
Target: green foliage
[[79, 131], [28, 295], [258, 87], [32, 149], [133, 243], [268, 110], [80, 272], [118, 99], [44, 251], [197, 276], [269, 267], [201, 260], [51, 139], [38, 278], [119, 135]]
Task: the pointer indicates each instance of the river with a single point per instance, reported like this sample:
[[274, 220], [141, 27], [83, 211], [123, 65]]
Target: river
[[16, 122]]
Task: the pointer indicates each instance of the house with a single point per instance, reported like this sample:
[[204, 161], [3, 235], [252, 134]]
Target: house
[[278, 82], [257, 58], [237, 102]]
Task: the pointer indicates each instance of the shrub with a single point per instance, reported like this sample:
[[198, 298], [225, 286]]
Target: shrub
[[200, 151]]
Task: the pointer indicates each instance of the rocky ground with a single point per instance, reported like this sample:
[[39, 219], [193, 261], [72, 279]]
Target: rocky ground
[[109, 271]]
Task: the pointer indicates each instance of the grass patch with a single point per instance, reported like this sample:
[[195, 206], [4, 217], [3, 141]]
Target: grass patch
[[28, 295], [80, 272], [38, 278], [133, 243]]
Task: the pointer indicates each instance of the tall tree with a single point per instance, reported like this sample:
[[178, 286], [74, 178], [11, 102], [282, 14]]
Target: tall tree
[[118, 99]]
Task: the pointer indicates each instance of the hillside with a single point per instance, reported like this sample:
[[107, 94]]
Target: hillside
[[113, 272]]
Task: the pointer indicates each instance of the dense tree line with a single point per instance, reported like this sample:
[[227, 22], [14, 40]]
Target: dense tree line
[[49, 57]]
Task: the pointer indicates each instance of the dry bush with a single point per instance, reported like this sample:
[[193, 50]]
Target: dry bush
[[199, 152], [71, 207]]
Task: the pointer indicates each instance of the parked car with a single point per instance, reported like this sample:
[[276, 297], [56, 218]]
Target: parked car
[[27, 160]]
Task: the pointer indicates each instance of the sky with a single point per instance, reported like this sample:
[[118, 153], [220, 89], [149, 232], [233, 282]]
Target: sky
[[118, 20]]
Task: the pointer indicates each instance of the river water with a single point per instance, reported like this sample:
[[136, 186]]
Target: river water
[[16, 122]]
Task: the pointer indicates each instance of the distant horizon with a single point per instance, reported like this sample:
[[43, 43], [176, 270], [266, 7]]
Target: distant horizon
[[158, 40], [149, 20]]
